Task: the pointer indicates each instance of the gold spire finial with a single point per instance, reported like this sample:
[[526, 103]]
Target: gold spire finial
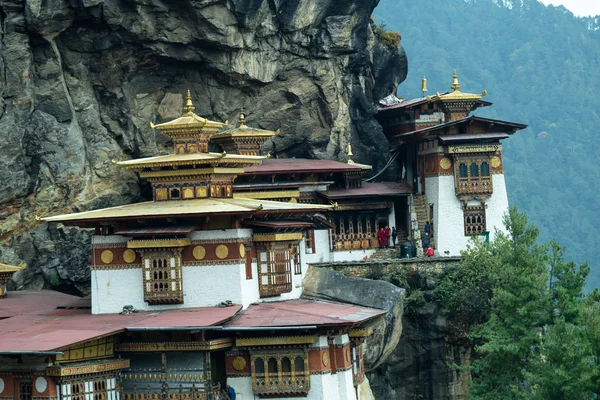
[[242, 118], [424, 85], [349, 152], [189, 106], [455, 85]]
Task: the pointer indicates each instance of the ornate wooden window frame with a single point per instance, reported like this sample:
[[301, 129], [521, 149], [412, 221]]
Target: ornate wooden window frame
[[475, 220], [162, 284], [274, 261], [274, 382], [466, 182]]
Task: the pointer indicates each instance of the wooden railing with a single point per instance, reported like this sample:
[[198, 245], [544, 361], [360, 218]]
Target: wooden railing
[[281, 383], [480, 185]]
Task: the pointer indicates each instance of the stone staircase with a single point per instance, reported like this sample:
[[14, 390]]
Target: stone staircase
[[422, 210]]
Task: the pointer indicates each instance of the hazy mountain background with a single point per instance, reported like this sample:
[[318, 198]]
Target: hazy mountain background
[[540, 66]]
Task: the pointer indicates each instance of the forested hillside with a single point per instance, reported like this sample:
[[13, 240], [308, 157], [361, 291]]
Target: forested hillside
[[540, 66]]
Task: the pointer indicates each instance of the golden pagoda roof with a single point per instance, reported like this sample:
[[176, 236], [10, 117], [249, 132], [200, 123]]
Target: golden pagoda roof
[[182, 208], [244, 130], [188, 120], [456, 94], [9, 269], [191, 158]]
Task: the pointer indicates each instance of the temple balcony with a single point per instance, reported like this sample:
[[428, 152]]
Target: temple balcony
[[472, 186]]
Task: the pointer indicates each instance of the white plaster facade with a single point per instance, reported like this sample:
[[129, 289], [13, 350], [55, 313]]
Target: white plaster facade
[[448, 214], [208, 285]]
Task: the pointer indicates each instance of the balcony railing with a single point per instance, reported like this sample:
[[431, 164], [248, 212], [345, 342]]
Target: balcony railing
[[480, 185], [285, 383]]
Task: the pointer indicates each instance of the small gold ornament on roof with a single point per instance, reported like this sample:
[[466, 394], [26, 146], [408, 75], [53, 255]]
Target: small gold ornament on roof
[[424, 85], [455, 85], [189, 106], [349, 152]]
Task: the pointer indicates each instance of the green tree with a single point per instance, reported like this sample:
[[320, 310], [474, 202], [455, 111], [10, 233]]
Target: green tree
[[522, 309]]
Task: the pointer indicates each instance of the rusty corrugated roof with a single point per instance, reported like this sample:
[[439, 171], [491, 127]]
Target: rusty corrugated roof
[[36, 324], [303, 312]]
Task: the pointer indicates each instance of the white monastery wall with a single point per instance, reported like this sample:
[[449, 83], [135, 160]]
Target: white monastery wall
[[497, 206], [203, 286], [448, 214], [448, 217]]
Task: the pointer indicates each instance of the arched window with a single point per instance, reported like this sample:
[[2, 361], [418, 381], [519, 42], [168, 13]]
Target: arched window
[[259, 366], [272, 366], [474, 170], [485, 169], [462, 170], [286, 365], [175, 194], [299, 364]]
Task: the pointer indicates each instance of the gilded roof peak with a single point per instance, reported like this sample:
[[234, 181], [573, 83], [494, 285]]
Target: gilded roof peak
[[455, 85], [189, 106], [456, 94]]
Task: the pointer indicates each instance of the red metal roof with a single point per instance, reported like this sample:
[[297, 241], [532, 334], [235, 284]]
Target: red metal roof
[[299, 165], [50, 328], [371, 189], [303, 312]]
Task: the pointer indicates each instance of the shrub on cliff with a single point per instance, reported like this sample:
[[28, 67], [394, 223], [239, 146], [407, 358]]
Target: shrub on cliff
[[522, 307], [387, 38]]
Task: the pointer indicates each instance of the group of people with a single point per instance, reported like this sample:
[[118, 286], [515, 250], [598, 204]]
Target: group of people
[[430, 250], [384, 235]]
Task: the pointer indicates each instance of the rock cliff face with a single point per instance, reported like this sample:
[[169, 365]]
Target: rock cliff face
[[82, 79], [423, 364]]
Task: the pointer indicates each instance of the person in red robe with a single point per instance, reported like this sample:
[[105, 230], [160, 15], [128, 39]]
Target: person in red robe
[[388, 233], [381, 237], [430, 252]]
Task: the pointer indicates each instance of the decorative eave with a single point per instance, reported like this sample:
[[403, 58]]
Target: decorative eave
[[155, 243], [192, 172], [276, 237], [208, 345], [275, 341], [93, 367], [191, 160], [10, 269]]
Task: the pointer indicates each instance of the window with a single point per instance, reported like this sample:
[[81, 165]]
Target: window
[[97, 389], [247, 250], [474, 220], [282, 375], [309, 242], [485, 169], [162, 278], [25, 390], [472, 176], [175, 194], [358, 367], [275, 269]]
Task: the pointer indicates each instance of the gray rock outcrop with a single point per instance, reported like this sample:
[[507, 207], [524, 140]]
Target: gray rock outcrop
[[81, 80], [327, 284]]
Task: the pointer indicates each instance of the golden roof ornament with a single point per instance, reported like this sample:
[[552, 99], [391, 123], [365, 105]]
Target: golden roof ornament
[[349, 152], [189, 106], [455, 85], [242, 119], [424, 85]]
